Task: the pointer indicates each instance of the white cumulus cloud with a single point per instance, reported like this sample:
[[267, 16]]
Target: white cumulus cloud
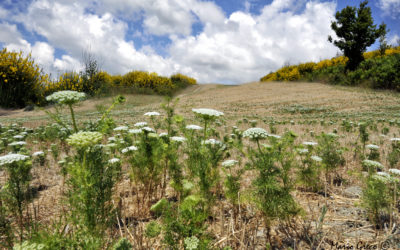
[[237, 48], [245, 47], [390, 7]]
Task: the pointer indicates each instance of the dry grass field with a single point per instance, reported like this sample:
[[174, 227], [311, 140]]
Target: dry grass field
[[304, 108]]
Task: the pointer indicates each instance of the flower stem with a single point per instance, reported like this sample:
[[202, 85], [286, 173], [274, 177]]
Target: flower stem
[[73, 118], [205, 129]]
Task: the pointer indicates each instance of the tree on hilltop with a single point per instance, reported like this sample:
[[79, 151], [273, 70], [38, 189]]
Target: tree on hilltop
[[356, 31]]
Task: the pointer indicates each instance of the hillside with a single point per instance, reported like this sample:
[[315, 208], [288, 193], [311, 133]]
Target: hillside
[[309, 110]]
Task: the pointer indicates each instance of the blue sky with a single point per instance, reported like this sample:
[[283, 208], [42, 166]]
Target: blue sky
[[221, 41]]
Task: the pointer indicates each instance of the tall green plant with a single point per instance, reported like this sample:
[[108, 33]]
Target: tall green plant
[[273, 184], [15, 193], [92, 177]]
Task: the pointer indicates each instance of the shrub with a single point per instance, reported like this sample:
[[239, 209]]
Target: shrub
[[99, 83], [20, 80], [376, 71], [182, 81]]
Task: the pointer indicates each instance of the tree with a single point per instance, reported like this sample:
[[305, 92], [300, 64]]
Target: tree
[[356, 31], [383, 45]]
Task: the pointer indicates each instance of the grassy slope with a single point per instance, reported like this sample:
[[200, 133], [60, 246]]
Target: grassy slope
[[273, 99]]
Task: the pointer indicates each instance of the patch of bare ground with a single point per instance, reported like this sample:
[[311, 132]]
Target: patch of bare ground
[[297, 104]]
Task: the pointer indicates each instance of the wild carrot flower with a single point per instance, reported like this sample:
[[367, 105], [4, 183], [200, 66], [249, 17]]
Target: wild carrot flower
[[84, 139], [17, 143], [121, 128], [394, 171], [310, 143], [193, 127], [229, 163], [153, 113], [372, 147], [255, 133], [140, 124], [11, 158], [207, 113], [66, 97], [372, 164], [316, 158], [38, 153], [129, 149], [178, 138], [135, 131], [113, 160]]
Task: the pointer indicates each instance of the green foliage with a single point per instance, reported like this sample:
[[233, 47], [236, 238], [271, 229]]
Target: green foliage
[[394, 154], [55, 238], [356, 31], [364, 136], [91, 180], [20, 80], [377, 71], [309, 170], [184, 220], [273, 184], [376, 198], [147, 162], [15, 193], [122, 244], [153, 229], [330, 151], [159, 206], [6, 232]]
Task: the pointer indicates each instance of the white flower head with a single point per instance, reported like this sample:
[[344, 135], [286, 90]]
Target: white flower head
[[84, 139], [11, 158], [372, 164], [372, 147], [66, 97], [207, 113], [178, 138], [310, 143], [135, 131], [121, 128], [111, 139], [213, 142], [153, 113], [18, 137], [140, 124], [394, 171], [193, 127], [163, 134], [17, 143], [148, 129], [255, 133], [302, 151], [129, 149], [113, 160], [382, 177], [384, 174], [316, 158], [229, 163], [38, 153]]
